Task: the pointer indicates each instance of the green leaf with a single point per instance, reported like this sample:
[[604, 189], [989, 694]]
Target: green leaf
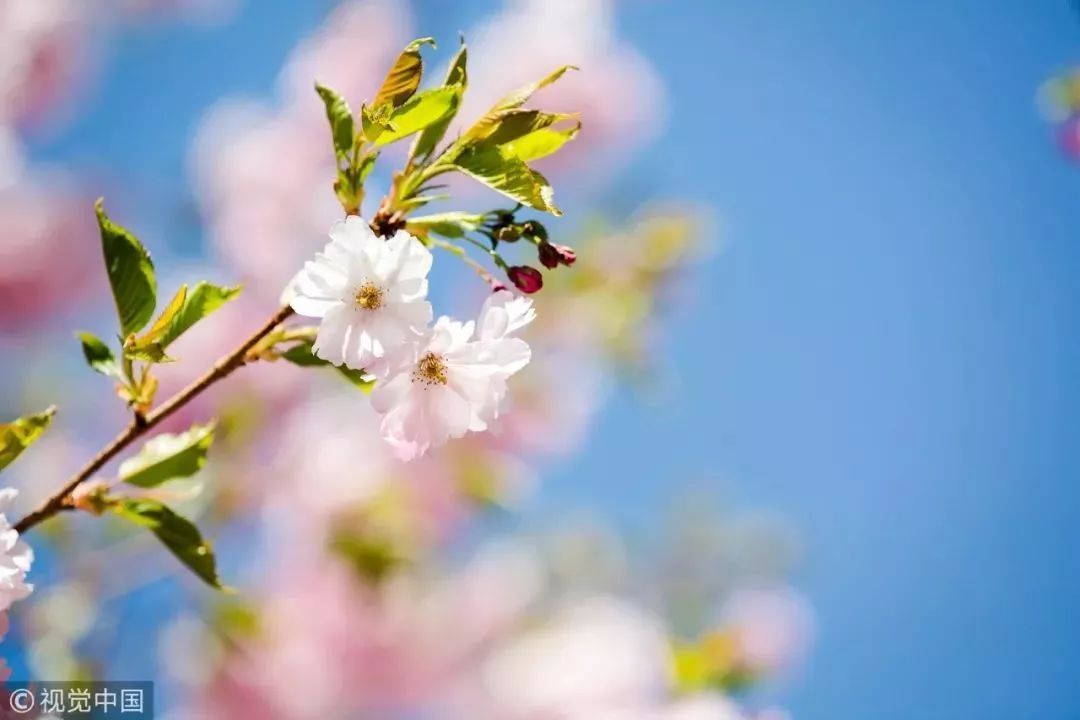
[[164, 320], [448, 224], [168, 456], [131, 274], [20, 434], [200, 302], [302, 355], [420, 112], [521, 96], [542, 143], [510, 125], [404, 77], [502, 171], [503, 126], [177, 533], [492, 118], [98, 356], [456, 77], [151, 352], [340, 118]]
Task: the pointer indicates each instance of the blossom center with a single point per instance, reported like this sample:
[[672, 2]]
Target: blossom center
[[431, 370], [369, 296]]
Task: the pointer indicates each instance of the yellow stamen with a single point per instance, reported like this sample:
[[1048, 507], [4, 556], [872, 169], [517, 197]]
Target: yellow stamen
[[369, 296], [431, 370]]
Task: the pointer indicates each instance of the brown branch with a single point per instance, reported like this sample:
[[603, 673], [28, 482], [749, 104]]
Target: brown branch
[[226, 365]]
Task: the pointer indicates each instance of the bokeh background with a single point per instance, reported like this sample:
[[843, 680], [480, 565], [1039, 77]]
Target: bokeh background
[[873, 346]]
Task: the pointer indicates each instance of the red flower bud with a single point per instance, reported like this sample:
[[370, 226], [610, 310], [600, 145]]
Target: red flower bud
[[551, 256], [526, 279]]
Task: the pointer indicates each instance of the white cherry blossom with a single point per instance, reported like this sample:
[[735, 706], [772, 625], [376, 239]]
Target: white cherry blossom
[[370, 294], [454, 379], [15, 557]]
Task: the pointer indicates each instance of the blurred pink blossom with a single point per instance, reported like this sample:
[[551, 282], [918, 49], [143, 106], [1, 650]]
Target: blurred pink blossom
[[553, 402], [206, 11], [617, 91], [49, 239], [773, 627], [597, 657], [358, 649], [354, 468], [43, 53], [267, 209]]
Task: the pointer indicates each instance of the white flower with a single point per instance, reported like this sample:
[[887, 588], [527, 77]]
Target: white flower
[[599, 657], [453, 382], [369, 292], [15, 557]]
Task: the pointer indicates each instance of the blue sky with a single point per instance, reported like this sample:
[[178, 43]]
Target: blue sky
[[886, 351]]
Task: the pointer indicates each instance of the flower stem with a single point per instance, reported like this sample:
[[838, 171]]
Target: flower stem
[[236, 359]]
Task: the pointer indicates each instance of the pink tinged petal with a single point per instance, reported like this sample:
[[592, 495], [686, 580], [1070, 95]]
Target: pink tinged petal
[[451, 412], [352, 233], [503, 314], [390, 393], [404, 258], [312, 307], [411, 290], [442, 335], [511, 355], [413, 316], [478, 388], [318, 288], [330, 340], [356, 350], [406, 427], [23, 556], [8, 539]]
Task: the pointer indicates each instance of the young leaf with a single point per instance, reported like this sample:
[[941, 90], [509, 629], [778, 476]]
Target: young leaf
[[202, 300], [340, 117], [509, 125], [511, 102], [151, 353], [404, 77], [177, 533], [98, 356], [521, 96], [419, 112], [165, 319], [456, 77], [166, 457], [20, 434], [500, 170], [302, 355], [542, 143], [131, 274]]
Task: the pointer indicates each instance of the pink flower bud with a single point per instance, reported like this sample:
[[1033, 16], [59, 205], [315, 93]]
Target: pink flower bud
[[526, 279], [552, 256]]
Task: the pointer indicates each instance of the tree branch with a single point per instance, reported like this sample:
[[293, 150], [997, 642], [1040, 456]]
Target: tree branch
[[222, 368]]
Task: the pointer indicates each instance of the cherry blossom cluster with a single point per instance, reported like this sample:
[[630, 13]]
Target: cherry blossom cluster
[[15, 557], [433, 381]]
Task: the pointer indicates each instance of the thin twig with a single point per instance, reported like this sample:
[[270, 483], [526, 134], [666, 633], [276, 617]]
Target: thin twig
[[223, 367]]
